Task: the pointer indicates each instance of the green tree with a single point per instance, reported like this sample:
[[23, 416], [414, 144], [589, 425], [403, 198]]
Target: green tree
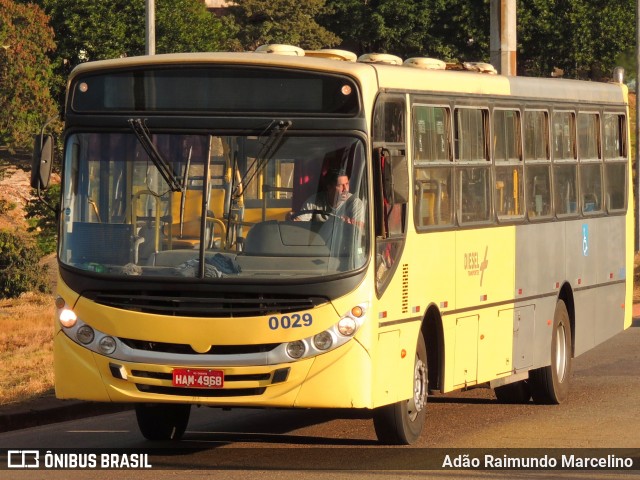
[[400, 27], [460, 31], [281, 21], [584, 38], [42, 219], [25, 72], [20, 270]]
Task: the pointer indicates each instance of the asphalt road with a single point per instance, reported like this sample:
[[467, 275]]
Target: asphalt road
[[601, 413]]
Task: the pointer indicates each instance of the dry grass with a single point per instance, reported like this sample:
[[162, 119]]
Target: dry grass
[[26, 347]]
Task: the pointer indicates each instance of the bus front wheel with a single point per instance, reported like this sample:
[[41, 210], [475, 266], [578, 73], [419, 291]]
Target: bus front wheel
[[401, 423], [162, 421], [550, 384]]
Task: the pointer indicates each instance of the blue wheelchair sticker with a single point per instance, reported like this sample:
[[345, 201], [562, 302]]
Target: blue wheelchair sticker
[[585, 240]]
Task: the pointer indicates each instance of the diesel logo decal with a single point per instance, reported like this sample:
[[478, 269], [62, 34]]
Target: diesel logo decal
[[473, 266]]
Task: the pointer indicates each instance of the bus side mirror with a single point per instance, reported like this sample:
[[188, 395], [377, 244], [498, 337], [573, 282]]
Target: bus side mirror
[[43, 148], [395, 180]]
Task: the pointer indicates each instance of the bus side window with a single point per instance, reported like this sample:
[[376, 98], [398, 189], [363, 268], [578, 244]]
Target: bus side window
[[591, 187], [433, 169], [507, 155], [473, 170], [615, 167], [433, 196], [475, 195], [589, 153], [538, 191], [565, 168], [565, 186], [537, 164]]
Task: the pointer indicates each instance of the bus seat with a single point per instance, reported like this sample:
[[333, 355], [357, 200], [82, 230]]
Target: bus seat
[[217, 200], [500, 189], [430, 198], [427, 208], [186, 234], [591, 202]]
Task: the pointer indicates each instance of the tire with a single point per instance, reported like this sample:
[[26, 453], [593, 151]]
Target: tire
[[162, 421], [550, 385], [516, 392], [401, 423]]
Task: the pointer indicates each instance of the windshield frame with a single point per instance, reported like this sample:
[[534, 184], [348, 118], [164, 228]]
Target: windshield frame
[[354, 136]]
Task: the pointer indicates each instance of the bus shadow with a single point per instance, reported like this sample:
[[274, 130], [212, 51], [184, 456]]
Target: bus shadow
[[471, 401], [277, 427]]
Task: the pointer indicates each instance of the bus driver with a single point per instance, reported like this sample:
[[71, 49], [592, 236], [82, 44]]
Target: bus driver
[[334, 200]]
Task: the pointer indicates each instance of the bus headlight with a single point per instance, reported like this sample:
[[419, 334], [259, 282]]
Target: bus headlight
[[85, 334], [67, 317], [323, 340], [347, 326], [296, 349], [107, 345]]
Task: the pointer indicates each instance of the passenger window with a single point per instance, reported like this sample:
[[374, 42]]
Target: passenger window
[[614, 137], [563, 134], [506, 135], [616, 185], [473, 172], [536, 135], [566, 188], [433, 194], [475, 194], [507, 154], [588, 136], [564, 137], [590, 165], [538, 191], [591, 187], [509, 191], [471, 135], [430, 130], [538, 170], [615, 166]]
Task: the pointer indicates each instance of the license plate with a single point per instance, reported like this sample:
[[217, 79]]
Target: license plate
[[198, 378]]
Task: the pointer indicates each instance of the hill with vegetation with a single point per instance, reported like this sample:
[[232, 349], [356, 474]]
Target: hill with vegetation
[[26, 319]]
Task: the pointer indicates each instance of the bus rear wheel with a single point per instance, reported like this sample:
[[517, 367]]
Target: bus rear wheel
[[550, 385], [401, 423], [162, 421]]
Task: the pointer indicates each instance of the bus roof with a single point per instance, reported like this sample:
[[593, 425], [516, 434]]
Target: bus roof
[[391, 77]]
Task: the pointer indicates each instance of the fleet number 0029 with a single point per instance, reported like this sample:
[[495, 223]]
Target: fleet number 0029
[[290, 321]]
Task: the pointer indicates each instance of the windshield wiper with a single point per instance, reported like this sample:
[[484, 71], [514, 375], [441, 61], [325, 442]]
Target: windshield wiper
[[276, 130], [142, 134]]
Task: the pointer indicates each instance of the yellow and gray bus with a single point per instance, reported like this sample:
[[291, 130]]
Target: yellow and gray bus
[[494, 244]]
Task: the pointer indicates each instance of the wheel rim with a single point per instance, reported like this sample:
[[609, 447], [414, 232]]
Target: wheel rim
[[561, 352], [416, 404]]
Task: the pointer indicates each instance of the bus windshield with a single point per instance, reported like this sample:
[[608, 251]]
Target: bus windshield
[[268, 206]]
